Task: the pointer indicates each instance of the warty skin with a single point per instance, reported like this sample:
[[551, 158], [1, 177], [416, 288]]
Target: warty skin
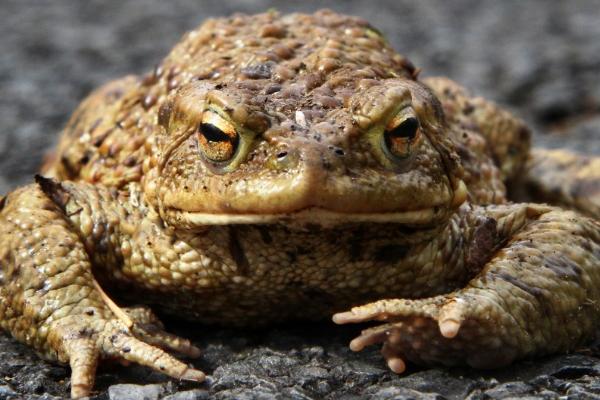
[[275, 168]]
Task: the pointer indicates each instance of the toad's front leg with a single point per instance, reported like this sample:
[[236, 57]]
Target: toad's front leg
[[539, 293], [49, 297]]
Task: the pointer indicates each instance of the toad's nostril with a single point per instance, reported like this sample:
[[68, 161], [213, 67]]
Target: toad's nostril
[[284, 159], [337, 151]]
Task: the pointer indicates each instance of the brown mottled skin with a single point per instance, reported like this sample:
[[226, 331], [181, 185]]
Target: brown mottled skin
[[284, 167]]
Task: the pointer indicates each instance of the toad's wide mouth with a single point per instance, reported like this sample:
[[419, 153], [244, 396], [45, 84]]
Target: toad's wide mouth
[[318, 216], [310, 216]]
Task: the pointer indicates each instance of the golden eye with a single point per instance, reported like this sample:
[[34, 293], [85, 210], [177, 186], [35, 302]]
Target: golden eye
[[401, 134], [217, 137]]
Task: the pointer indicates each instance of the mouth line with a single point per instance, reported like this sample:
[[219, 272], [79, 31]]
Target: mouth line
[[322, 216], [312, 215]]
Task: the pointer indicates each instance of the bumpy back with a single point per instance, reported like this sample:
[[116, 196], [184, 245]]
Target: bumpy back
[[109, 139]]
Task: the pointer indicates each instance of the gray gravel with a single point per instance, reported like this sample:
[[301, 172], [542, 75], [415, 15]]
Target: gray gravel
[[539, 58]]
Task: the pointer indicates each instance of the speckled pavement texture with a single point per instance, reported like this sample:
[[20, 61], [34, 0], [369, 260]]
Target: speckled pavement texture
[[539, 58]]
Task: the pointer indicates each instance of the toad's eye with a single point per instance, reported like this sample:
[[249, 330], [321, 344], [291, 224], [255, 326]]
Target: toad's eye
[[217, 137], [401, 135]]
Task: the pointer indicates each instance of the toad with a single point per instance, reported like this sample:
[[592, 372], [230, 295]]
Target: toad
[[294, 167]]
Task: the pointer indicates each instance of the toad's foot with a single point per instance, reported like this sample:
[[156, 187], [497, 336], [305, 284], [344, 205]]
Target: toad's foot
[[536, 295], [50, 299], [85, 341], [446, 329]]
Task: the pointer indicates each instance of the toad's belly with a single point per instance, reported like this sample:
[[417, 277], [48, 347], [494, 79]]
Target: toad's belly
[[251, 275]]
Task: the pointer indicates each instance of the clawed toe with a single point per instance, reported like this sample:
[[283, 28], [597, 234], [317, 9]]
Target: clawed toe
[[379, 311], [451, 318], [122, 345], [159, 338], [371, 336], [394, 358], [83, 361]]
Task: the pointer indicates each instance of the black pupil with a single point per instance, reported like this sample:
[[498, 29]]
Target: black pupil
[[407, 129], [213, 134]]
